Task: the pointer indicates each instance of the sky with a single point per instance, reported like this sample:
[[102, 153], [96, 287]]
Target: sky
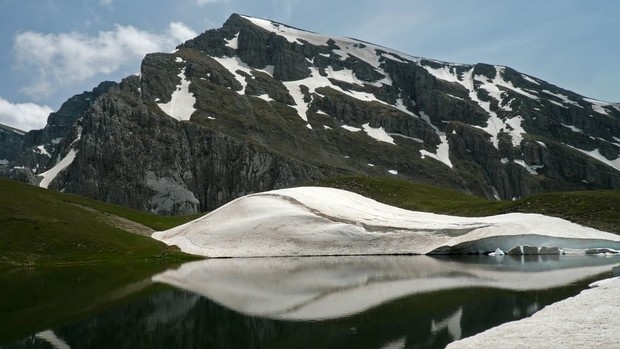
[[54, 49]]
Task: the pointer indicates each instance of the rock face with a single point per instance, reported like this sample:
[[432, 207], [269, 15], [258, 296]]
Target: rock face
[[256, 105], [132, 154], [11, 140]]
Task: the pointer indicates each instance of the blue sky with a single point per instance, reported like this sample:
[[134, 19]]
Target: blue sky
[[53, 49]]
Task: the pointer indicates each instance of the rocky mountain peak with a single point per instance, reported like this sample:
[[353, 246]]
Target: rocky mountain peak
[[257, 105]]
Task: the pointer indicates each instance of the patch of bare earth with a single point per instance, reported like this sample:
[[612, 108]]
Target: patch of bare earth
[[120, 222]]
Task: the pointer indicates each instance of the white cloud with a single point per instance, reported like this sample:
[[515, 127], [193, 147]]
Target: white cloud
[[23, 116], [180, 32], [204, 2], [70, 58], [285, 8]]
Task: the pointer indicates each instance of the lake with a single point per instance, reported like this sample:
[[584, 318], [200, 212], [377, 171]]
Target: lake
[[311, 302]]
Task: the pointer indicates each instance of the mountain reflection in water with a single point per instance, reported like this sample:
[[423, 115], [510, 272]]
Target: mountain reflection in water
[[332, 302]]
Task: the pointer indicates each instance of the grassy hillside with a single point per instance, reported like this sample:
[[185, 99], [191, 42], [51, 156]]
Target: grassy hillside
[[39, 226], [599, 209]]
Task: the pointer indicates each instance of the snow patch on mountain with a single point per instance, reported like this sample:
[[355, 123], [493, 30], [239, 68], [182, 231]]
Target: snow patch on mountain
[[394, 58], [181, 104], [308, 221], [265, 97], [573, 128], [294, 89], [492, 85], [233, 43], [445, 73], [50, 175], [378, 133], [473, 83], [344, 74], [351, 128], [598, 106], [418, 140], [514, 128], [292, 35], [596, 154], [61, 164], [443, 148], [530, 79], [41, 150], [531, 169], [563, 98], [316, 80]]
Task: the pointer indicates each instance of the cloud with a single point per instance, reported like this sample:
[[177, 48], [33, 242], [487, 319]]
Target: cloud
[[23, 116], [70, 58], [180, 32], [285, 8], [204, 2]]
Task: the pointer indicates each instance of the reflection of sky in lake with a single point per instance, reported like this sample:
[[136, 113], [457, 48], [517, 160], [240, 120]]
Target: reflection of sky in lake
[[330, 302]]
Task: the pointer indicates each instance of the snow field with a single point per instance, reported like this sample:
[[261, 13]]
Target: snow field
[[588, 320], [310, 221]]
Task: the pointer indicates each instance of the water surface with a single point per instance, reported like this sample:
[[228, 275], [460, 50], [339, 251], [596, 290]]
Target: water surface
[[316, 302]]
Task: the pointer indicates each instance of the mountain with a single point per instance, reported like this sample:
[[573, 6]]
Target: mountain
[[257, 105], [35, 149]]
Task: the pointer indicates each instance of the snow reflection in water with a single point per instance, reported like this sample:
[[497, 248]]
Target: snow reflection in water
[[329, 302], [317, 288]]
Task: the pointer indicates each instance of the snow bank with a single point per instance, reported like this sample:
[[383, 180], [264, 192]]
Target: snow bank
[[316, 288], [61, 164], [309, 221], [181, 104], [588, 320], [50, 175]]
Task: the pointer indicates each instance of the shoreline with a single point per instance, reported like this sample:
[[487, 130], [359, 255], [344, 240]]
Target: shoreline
[[590, 319]]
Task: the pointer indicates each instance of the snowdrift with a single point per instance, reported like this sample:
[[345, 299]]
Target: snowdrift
[[313, 221], [588, 320]]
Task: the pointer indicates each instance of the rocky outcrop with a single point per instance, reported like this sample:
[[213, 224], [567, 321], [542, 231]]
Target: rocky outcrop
[[11, 141]]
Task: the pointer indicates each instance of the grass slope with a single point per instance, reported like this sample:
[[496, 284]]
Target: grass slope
[[39, 226], [598, 209]]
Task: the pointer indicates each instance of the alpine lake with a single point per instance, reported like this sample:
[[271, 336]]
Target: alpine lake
[[305, 302]]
